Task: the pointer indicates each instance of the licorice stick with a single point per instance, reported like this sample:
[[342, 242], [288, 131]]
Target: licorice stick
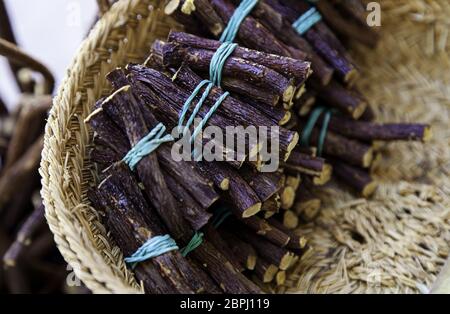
[[299, 69], [243, 252], [358, 179], [260, 75]]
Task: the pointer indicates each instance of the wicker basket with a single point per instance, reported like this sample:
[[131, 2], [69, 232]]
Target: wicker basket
[[338, 262]]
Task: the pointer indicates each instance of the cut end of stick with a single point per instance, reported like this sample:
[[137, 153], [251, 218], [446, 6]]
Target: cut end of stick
[[369, 189], [351, 76], [270, 273], [188, 7], [286, 261], [325, 176], [300, 91], [269, 214], [288, 94], [225, 184], [291, 146], [303, 242], [286, 118], [280, 278], [427, 134], [171, 7], [252, 211], [290, 220], [368, 158], [358, 111], [287, 198], [93, 114], [251, 262]]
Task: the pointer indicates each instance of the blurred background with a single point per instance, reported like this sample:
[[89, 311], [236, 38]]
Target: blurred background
[[49, 30], [39, 39]]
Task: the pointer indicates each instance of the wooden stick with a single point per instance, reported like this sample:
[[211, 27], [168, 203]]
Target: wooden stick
[[15, 54], [358, 179], [267, 231], [265, 271], [366, 131], [242, 250], [29, 126], [287, 66], [20, 172], [260, 75]]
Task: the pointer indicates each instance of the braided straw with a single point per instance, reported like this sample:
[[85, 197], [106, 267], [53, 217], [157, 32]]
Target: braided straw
[[396, 242]]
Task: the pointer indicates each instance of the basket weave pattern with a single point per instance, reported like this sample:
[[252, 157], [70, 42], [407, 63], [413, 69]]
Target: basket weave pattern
[[401, 235]]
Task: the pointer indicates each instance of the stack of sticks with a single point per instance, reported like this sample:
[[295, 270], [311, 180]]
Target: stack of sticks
[[30, 260], [276, 78], [352, 139]]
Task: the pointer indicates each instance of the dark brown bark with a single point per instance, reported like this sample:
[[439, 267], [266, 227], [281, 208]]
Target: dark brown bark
[[150, 103], [244, 200], [244, 252], [29, 125], [286, 66], [267, 231], [366, 131], [222, 246], [22, 171], [348, 101], [322, 39], [200, 59], [241, 113], [265, 271], [296, 242], [264, 184], [34, 223], [278, 115], [184, 172], [132, 223], [275, 255], [166, 100], [249, 91], [346, 27], [16, 55], [203, 11], [322, 72], [358, 179], [123, 109], [193, 212], [304, 164], [352, 151]]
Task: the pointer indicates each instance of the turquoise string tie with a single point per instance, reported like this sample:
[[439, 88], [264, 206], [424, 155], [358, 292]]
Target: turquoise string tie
[[309, 127], [307, 20], [220, 215], [195, 242], [147, 145], [154, 247], [241, 12]]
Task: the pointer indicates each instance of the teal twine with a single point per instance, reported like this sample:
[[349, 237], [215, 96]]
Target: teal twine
[[241, 12], [154, 247], [195, 242], [147, 145], [309, 127], [220, 215], [307, 20], [218, 61]]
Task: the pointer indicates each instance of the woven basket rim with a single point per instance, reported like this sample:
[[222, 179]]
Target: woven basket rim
[[65, 147]]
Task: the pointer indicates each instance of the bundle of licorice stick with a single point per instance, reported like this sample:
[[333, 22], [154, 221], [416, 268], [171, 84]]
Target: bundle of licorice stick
[[208, 226], [329, 114]]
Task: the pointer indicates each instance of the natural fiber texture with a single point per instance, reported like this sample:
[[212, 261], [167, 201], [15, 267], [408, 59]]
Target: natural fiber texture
[[396, 242]]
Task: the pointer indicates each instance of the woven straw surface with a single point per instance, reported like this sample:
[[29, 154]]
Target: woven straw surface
[[396, 242]]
